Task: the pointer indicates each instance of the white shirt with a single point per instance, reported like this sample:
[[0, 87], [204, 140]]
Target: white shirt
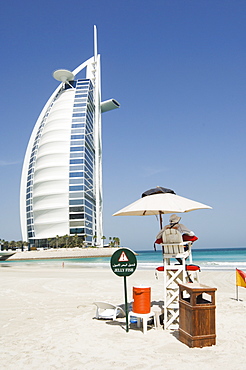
[[180, 227]]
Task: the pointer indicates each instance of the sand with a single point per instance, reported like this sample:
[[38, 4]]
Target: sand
[[47, 322]]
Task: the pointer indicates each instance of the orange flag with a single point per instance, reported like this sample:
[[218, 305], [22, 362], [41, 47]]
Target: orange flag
[[240, 278]]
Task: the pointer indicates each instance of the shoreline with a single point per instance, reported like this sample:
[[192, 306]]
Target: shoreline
[[61, 253], [99, 256]]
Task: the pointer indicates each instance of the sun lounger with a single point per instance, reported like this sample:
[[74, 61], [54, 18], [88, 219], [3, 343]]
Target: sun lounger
[[108, 311]]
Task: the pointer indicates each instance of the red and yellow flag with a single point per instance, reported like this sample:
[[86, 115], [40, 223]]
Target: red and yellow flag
[[240, 278]]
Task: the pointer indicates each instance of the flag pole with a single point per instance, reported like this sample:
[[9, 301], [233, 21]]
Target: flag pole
[[236, 286]]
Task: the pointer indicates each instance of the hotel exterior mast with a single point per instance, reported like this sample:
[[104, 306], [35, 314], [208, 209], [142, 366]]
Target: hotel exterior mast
[[61, 184]]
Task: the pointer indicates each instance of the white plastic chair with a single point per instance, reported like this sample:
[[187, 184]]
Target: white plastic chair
[[174, 246], [145, 317], [108, 311]]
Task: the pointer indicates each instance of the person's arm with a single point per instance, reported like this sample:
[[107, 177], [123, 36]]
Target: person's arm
[[184, 230], [159, 235]]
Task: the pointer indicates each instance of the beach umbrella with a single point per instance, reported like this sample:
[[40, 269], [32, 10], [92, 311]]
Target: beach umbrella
[[157, 190], [160, 201]]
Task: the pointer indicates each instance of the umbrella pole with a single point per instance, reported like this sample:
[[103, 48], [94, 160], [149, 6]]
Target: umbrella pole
[[160, 220]]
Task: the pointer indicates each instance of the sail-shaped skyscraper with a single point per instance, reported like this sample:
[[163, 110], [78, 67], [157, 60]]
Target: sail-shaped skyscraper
[[61, 184]]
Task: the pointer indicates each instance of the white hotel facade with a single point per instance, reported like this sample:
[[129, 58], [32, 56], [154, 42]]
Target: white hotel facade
[[61, 183]]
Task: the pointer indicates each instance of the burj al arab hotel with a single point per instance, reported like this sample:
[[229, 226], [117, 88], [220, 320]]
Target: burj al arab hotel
[[61, 183]]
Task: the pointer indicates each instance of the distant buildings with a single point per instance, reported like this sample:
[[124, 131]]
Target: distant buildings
[[61, 185]]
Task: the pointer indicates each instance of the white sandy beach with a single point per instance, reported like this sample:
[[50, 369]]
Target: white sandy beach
[[47, 313]]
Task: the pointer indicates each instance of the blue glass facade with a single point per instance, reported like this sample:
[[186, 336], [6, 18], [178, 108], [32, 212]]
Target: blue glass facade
[[82, 218]]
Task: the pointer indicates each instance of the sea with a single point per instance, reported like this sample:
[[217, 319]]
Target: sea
[[207, 259]]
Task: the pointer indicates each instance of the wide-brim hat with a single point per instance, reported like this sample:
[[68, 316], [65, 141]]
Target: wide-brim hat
[[174, 219]]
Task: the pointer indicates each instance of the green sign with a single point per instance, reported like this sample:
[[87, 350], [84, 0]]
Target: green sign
[[123, 262]]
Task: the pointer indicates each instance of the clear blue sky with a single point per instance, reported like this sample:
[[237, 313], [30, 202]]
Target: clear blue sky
[[177, 67]]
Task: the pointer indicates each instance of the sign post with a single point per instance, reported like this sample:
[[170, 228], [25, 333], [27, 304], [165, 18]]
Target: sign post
[[123, 263]]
